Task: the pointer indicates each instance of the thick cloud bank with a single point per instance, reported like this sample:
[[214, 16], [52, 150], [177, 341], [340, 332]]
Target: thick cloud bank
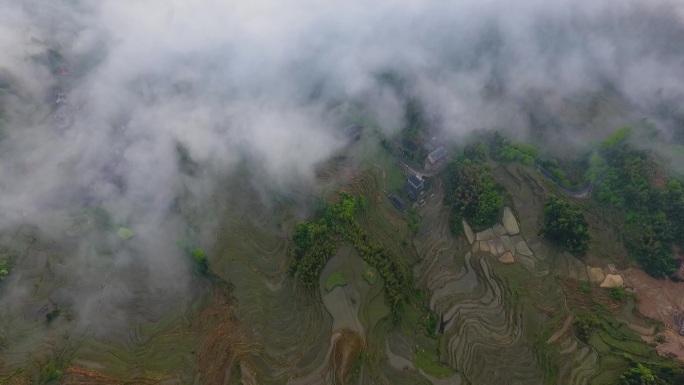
[[127, 105]]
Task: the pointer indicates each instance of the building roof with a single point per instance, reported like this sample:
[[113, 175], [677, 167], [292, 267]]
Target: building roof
[[415, 182], [397, 202], [436, 155], [414, 186]]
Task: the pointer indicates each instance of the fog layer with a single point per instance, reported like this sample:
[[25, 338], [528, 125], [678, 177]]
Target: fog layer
[[133, 106]]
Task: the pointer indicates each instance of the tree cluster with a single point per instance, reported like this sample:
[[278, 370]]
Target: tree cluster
[[314, 242], [473, 194], [584, 325], [196, 256], [619, 136], [652, 373], [200, 260], [654, 209], [4, 269], [503, 150], [565, 225]]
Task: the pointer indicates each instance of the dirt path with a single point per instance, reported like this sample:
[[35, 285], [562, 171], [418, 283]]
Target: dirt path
[[563, 330]]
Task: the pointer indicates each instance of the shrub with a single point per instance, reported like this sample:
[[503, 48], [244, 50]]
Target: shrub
[[618, 293], [584, 325]]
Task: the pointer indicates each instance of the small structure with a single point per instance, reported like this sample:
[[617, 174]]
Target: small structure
[[437, 155], [414, 187], [397, 202]]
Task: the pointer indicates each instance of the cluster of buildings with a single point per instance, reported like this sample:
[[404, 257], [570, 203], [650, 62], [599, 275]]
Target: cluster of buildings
[[415, 189]]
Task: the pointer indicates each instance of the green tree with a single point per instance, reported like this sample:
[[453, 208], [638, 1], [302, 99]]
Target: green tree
[[565, 225], [584, 325], [648, 238], [654, 214], [473, 194], [476, 152], [672, 198], [200, 260], [314, 243], [411, 133], [637, 374], [504, 150], [619, 136], [50, 373]]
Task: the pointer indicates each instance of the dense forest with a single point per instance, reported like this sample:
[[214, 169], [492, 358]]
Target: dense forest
[[472, 192], [630, 180], [565, 225], [633, 182]]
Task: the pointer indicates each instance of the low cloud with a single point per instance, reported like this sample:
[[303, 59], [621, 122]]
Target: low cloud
[[151, 87]]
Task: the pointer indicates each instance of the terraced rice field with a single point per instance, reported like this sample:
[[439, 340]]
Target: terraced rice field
[[503, 313], [494, 295]]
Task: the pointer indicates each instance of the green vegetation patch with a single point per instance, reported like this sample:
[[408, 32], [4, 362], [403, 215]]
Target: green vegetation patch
[[567, 173], [619, 136], [429, 322], [353, 375], [50, 373], [315, 241], [565, 225], [633, 182], [623, 356], [200, 260], [413, 221], [335, 279], [429, 362], [624, 343], [651, 373], [124, 233], [370, 274], [412, 133], [4, 269], [503, 150], [618, 293], [473, 194]]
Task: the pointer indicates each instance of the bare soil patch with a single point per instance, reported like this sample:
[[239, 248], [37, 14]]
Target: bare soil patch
[[344, 355], [659, 299], [81, 375], [223, 344], [656, 298], [673, 344]]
